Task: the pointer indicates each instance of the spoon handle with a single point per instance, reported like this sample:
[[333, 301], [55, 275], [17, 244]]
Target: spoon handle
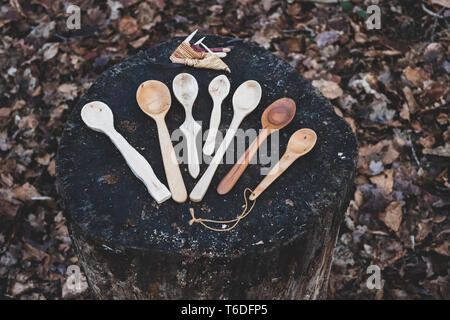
[[190, 129], [171, 167], [286, 160], [210, 143], [239, 167], [202, 185], [140, 167]]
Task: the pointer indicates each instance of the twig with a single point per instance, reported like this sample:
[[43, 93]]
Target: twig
[[431, 13]]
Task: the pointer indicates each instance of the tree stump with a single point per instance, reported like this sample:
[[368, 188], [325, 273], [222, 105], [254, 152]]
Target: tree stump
[[132, 248]]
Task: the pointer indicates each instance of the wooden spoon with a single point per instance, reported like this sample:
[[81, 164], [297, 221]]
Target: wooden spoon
[[99, 117], [185, 89], [276, 116], [154, 99], [245, 99], [218, 88], [300, 143]]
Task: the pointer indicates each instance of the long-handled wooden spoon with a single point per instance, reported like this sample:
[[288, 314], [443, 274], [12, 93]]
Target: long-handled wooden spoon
[[245, 99], [185, 89], [154, 99], [99, 117], [276, 116], [300, 143], [218, 88]]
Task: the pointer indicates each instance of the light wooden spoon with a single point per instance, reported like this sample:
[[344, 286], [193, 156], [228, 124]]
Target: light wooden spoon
[[245, 99], [154, 99], [276, 116], [99, 117], [218, 88], [185, 89], [300, 143]]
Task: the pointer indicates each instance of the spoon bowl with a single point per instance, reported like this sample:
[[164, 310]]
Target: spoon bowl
[[246, 97], [279, 114], [153, 97], [219, 87], [97, 115], [185, 88], [302, 141]]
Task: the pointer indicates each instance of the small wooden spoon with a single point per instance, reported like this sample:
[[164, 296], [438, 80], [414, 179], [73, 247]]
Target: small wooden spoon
[[154, 99], [245, 99], [300, 143], [276, 116], [185, 89], [218, 88], [99, 117]]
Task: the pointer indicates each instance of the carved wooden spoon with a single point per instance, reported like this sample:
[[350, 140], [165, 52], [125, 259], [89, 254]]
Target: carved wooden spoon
[[99, 117], [154, 99], [276, 116], [218, 88], [300, 143], [185, 89], [245, 99]]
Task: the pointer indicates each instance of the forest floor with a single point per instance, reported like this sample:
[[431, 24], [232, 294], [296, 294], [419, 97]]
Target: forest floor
[[391, 85]]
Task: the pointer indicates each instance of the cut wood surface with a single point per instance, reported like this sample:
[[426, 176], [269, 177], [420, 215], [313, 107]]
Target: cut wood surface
[[131, 247]]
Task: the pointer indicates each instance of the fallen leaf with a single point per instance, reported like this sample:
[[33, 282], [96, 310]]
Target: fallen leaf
[[404, 113], [443, 249], [412, 104], [139, 42], [392, 216], [115, 7], [428, 141], [28, 122], [50, 50], [444, 3], [329, 89], [68, 90], [424, 228], [25, 192], [441, 151], [384, 180], [376, 167], [19, 288], [128, 26], [416, 76], [380, 112], [326, 38]]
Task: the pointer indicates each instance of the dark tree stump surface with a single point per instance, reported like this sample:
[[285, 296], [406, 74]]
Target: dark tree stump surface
[[131, 247]]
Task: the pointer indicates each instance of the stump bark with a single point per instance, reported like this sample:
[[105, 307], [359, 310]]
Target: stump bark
[[132, 248]]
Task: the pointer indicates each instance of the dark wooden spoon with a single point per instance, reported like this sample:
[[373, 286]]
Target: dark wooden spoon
[[276, 116]]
